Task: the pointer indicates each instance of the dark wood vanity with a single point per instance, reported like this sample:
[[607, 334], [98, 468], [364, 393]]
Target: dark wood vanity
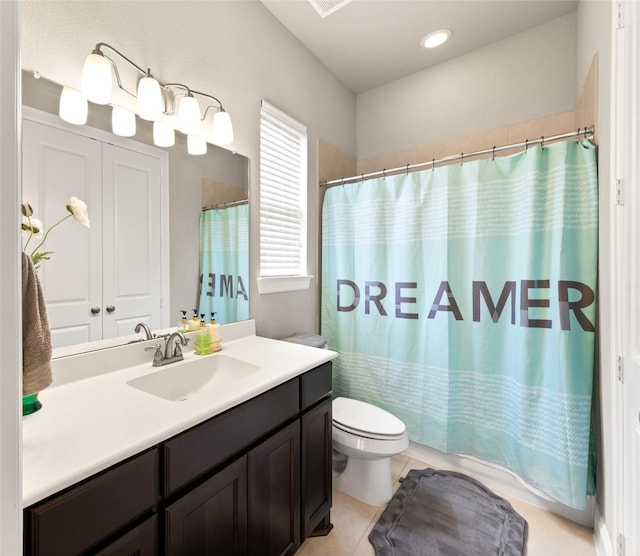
[[255, 479]]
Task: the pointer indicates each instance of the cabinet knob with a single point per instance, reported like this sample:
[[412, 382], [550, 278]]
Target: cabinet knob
[[95, 310], [110, 308]]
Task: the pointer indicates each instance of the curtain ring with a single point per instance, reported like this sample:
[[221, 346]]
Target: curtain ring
[[542, 142], [407, 169], [526, 146], [433, 164], [384, 173], [493, 153], [362, 177], [461, 158]]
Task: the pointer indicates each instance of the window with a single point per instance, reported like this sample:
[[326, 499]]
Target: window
[[283, 202]]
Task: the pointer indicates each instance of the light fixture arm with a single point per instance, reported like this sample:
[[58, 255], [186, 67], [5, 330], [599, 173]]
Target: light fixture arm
[[144, 73], [97, 50]]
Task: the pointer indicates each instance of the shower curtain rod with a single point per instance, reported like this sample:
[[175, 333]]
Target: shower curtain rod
[[226, 205], [587, 132]]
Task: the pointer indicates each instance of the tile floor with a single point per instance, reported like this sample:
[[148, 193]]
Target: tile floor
[[549, 534]]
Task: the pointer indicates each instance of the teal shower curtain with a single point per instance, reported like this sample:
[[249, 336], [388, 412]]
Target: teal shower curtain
[[462, 300], [224, 263]]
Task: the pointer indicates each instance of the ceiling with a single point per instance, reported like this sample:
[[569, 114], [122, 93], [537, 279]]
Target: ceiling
[[367, 43]]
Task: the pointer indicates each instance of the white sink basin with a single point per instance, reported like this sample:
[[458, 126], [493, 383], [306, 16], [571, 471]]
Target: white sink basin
[[180, 381]]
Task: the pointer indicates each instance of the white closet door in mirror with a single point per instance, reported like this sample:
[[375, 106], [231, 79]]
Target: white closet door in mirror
[[56, 166], [131, 246]]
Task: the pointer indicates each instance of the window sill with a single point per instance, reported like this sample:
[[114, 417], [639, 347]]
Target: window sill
[[277, 284]]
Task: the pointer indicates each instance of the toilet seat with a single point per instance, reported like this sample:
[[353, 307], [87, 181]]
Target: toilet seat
[[363, 419]]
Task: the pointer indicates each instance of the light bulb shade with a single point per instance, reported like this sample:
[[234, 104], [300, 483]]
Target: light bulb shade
[[189, 115], [222, 128], [123, 122], [96, 79], [73, 106], [149, 99], [163, 135], [196, 145]]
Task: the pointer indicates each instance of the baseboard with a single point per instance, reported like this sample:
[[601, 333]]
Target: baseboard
[[601, 537], [502, 480]]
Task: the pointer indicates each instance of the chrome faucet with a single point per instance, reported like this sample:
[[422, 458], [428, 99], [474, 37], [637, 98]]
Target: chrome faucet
[[172, 349], [175, 353], [143, 326]]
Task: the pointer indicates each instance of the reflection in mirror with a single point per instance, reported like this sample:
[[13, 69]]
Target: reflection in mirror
[[217, 178]]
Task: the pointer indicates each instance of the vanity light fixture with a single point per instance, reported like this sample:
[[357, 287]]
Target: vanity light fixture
[[189, 114], [163, 134], [123, 122], [73, 106], [96, 78], [196, 145], [154, 102], [436, 38]]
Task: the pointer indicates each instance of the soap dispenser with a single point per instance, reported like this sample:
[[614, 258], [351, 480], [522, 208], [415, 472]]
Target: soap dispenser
[[194, 323], [203, 340], [214, 333], [183, 324]]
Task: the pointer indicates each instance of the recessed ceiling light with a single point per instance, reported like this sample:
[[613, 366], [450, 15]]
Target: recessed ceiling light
[[436, 38]]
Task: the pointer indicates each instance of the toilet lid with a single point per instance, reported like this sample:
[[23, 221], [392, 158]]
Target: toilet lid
[[361, 416]]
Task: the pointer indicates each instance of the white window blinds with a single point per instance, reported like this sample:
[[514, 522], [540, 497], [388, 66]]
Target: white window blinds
[[283, 194]]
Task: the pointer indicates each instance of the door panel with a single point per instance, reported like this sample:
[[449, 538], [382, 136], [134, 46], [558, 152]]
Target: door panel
[[58, 164], [131, 247]]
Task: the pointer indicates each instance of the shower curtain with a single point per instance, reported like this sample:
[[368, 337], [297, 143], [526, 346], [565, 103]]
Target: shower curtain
[[462, 300], [224, 263]]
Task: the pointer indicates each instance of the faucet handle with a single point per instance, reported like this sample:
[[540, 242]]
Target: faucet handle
[[157, 356]]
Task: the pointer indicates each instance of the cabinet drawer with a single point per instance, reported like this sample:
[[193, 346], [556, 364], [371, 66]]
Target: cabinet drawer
[[88, 514], [315, 385], [196, 451], [140, 541]]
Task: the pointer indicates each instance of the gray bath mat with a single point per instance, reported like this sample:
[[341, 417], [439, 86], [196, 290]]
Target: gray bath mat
[[442, 513]]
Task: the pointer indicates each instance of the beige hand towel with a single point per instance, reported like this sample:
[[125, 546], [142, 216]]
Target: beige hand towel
[[36, 337]]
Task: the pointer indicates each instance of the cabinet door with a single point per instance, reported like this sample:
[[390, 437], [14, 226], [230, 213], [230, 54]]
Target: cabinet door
[[212, 518], [57, 165], [274, 494], [131, 254], [316, 469]]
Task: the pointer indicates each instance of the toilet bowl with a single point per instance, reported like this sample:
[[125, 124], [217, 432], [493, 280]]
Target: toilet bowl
[[365, 437]]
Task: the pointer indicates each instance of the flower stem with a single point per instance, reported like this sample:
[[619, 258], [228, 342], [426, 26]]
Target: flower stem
[[31, 234], [48, 232]]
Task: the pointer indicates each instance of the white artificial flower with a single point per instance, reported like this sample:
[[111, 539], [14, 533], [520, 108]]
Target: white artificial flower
[[33, 225], [79, 211]]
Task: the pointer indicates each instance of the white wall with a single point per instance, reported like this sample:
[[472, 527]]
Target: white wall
[[10, 303], [526, 76], [236, 51], [594, 35]]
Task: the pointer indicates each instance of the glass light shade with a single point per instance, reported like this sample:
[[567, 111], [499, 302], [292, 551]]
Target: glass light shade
[[73, 106], [222, 128], [123, 122], [96, 79], [149, 99], [189, 115], [196, 145], [163, 135]]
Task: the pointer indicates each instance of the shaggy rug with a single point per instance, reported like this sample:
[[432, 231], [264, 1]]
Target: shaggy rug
[[442, 513]]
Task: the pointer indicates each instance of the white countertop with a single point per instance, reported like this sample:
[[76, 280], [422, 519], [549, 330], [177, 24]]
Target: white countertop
[[87, 425]]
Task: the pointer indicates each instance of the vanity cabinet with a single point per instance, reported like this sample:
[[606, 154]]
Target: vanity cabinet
[[90, 513], [255, 480]]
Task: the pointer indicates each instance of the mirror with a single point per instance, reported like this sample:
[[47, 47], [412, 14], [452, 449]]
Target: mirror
[[217, 180]]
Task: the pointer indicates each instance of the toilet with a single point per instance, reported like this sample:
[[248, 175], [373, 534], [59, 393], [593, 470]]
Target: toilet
[[365, 437]]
